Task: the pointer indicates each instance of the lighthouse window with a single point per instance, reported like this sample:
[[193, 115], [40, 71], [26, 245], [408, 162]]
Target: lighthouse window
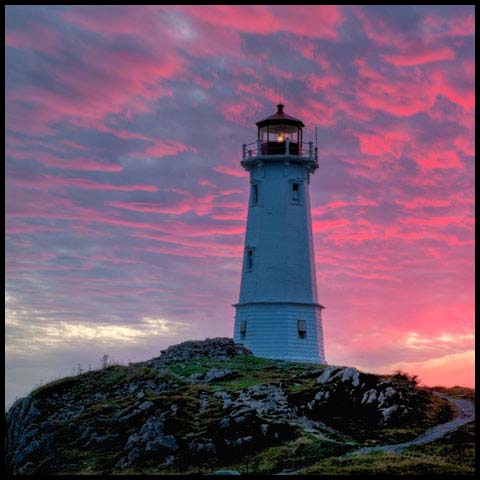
[[296, 192], [243, 329], [249, 259], [302, 329], [254, 194]]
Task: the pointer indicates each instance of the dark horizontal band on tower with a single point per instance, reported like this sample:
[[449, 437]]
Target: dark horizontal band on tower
[[278, 303]]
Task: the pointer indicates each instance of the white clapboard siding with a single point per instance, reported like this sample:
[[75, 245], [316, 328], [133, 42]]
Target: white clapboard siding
[[278, 285]]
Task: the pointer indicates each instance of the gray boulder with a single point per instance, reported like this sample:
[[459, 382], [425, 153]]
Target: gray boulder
[[132, 388], [348, 375], [370, 396], [202, 447], [146, 406], [326, 375], [214, 374], [150, 438], [388, 412], [227, 399], [239, 442], [217, 374], [351, 375]]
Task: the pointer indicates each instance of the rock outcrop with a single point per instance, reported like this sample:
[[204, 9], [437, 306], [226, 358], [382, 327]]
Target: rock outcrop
[[361, 395], [219, 347], [28, 438], [150, 439]]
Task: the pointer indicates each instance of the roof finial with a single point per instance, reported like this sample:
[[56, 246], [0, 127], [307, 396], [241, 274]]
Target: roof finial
[[280, 108]]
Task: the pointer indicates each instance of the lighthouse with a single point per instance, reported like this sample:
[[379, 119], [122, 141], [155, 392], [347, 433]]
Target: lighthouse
[[278, 315]]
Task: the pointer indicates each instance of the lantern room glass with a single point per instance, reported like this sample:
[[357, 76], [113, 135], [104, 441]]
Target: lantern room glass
[[272, 136]]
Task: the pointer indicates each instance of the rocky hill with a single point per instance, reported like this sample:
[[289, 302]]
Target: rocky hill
[[211, 406]]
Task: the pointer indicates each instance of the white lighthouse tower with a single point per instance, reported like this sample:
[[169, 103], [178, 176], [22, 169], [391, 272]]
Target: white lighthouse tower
[[278, 314]]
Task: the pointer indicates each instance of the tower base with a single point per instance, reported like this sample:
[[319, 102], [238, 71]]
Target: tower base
[[281, 330]]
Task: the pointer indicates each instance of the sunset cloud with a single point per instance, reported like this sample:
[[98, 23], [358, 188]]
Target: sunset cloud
[[415, 56], [46, 181], [126, 203]]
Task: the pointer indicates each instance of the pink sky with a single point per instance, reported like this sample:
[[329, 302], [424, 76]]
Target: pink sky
[[126, 201]]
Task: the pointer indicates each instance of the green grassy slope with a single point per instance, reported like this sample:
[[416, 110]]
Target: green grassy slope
[[316, 453]]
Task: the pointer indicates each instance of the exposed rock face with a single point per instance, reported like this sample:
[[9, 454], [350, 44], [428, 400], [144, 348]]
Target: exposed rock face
[[343, 374], [267, 400], [351, 390], [259, 414], [220, 347], [27, 440], [151, 438]]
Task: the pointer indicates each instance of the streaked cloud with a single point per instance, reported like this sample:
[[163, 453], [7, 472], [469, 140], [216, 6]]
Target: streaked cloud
[[126, 202]]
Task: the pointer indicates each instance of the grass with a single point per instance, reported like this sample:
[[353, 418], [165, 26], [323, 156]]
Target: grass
[[103, 380], [381, 463], [55, 386], [438, 411], [453, 454], [252, 371], [457, 447], [297, 394], [234, 384], [392, 436], [117, 374], [292, 455], [456, 391], [243, 363], [80, 461]]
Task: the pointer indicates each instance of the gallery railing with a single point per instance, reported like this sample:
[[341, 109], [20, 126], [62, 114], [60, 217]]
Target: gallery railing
[[260, 149]]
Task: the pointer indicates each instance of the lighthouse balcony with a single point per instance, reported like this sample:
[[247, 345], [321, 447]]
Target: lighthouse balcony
[[301, 152]]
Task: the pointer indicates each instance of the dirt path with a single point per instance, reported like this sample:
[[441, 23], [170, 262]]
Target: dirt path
[[465, 414]]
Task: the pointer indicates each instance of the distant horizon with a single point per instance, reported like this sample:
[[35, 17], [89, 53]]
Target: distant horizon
[[126, 201]]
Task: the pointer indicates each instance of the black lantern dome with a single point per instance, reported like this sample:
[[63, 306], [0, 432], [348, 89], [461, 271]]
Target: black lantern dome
[[275, 130]]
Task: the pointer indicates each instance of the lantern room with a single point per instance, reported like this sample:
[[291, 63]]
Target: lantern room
[[279, 130]]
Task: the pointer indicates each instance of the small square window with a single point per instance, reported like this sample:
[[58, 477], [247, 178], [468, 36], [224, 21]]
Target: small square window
[[254, 194], [296, 192], [302, 329], [249, 258], [243, 329]]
